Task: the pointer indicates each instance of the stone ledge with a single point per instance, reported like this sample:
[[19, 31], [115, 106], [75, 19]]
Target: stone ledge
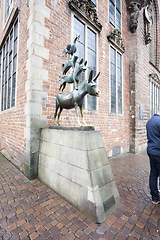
[[81, 128]]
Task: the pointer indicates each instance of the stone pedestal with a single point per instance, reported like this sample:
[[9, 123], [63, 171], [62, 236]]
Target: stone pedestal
[[74, 163]]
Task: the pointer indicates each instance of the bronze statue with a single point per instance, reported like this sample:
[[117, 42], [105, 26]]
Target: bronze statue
[[71, 48], [75, 98], [70, 63], [73, 77]]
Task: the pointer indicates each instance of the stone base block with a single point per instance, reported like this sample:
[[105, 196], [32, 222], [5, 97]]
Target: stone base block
[[74, 163]]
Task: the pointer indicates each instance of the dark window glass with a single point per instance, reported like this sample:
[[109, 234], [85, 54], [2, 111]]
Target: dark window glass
[[91, 60], [115, 13], [94, 1], [8, 65], [113, 79], [112, 13], [116, 81]]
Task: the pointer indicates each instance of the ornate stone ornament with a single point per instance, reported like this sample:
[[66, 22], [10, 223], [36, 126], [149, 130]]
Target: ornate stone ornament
[[134, 6], [153, 77], [87, 10], [116, 39], [134, 9]]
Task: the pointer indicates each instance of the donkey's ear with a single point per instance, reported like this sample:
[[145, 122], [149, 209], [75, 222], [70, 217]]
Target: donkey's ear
[[95, 78], [81, 61], [85, 63], [90, 76]]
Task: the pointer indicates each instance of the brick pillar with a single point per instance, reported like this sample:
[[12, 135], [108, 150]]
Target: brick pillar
[[37, 53]]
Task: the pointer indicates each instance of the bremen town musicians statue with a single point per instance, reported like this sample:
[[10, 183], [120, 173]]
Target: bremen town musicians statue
[[75, 98]]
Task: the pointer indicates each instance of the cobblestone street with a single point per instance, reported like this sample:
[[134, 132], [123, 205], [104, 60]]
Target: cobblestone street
[[31, 210]]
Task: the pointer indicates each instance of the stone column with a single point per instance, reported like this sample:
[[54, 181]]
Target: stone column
[[132, 80], [37, 53]]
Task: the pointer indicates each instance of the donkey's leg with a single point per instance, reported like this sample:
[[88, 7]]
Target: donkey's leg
[[55, 115], [81, 110], [76, 109], [59, 115]]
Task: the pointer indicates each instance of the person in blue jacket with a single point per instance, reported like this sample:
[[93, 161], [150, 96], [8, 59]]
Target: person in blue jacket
[[153, 151]]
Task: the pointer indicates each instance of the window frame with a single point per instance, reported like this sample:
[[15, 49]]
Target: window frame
[[110, 109], [87, 25], [15, 38], [115, 16], [152, 103]]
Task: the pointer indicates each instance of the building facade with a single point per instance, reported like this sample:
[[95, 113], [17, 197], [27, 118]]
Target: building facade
[[118, 38]]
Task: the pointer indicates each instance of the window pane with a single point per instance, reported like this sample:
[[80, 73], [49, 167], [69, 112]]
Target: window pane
[[119, 82], [79, 28], [113, 79], [9, 93], [14, 64], [91, 64], [2, 98], [16, 30], [94, 1], [118, 20], [112, 13], [116, 81], [118, 5], [13, 89], [11, 41]]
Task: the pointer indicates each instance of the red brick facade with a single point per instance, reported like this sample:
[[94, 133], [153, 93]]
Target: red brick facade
[[124, 130]]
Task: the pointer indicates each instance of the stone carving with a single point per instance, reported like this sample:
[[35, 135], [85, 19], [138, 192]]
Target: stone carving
[[75, 98], [87, 9], [153, 77], [116, 39], [148, 21], [134, 8]]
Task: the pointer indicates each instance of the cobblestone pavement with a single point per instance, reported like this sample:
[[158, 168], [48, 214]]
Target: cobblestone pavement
[[31, 210]]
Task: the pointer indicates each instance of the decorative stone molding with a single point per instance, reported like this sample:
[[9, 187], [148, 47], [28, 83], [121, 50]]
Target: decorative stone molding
[[87, 10], [116, 39], [134, 6], [141, 2], [153, 77]]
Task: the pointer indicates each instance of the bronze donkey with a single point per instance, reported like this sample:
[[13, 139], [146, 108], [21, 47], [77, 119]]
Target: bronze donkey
[[75, 98]]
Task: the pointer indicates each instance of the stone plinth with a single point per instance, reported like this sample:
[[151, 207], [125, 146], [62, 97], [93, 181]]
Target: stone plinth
[[74, 163]]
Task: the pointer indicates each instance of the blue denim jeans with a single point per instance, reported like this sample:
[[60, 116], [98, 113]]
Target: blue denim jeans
[[154, 174]]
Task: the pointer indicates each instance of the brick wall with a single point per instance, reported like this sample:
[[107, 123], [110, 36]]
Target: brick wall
[[12, 121]]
